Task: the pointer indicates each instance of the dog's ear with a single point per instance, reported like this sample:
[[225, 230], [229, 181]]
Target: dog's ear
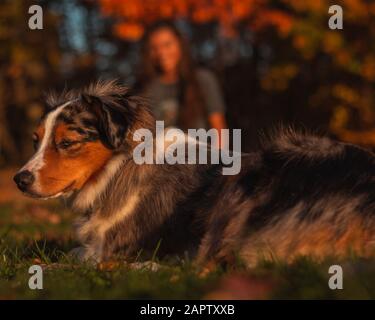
[[114, 118]]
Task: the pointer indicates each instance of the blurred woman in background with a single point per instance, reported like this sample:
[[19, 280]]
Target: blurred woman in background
[[182, 95]]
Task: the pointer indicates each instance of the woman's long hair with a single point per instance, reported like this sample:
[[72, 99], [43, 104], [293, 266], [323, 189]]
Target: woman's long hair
[[190, 96]]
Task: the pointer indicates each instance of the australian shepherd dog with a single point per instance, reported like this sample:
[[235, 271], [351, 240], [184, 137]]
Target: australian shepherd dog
[[298, 195]]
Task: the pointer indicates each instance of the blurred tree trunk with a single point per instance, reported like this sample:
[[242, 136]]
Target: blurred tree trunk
[[29, 65], [7, 143]]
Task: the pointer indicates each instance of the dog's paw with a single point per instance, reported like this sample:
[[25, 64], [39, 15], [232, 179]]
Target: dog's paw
[[147, 265], [78, 253], [82, 254]]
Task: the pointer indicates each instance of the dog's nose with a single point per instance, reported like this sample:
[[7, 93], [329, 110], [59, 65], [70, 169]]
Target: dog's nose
[[24, 179]]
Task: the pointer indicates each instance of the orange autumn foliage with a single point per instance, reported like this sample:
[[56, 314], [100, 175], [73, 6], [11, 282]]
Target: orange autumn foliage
[[297, 36], [129, 30], [133, 14]]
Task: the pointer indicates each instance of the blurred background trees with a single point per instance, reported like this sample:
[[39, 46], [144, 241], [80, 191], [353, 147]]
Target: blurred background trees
[[277, 60], [28, 62]]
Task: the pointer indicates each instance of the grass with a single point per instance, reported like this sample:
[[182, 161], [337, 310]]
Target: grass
[[40, 233]]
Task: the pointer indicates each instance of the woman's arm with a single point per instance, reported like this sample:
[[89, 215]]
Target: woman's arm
[[216, 120], [214, 102]]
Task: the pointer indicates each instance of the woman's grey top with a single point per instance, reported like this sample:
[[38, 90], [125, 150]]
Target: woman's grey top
[[165, 101]]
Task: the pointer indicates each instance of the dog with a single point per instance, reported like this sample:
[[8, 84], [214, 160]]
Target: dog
[[299, 194]]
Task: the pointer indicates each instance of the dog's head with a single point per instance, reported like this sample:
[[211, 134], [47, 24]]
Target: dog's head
[[76, 138]]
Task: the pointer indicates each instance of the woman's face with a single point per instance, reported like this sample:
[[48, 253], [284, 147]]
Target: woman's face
[[165, 50]]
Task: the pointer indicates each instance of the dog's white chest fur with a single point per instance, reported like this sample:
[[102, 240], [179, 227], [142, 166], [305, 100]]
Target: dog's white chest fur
[[92, 231]]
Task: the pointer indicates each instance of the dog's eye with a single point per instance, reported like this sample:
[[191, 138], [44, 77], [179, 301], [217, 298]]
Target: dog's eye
[[65, 144]]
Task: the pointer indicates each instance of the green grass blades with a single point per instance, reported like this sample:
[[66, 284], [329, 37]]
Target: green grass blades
[[41, 233]]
